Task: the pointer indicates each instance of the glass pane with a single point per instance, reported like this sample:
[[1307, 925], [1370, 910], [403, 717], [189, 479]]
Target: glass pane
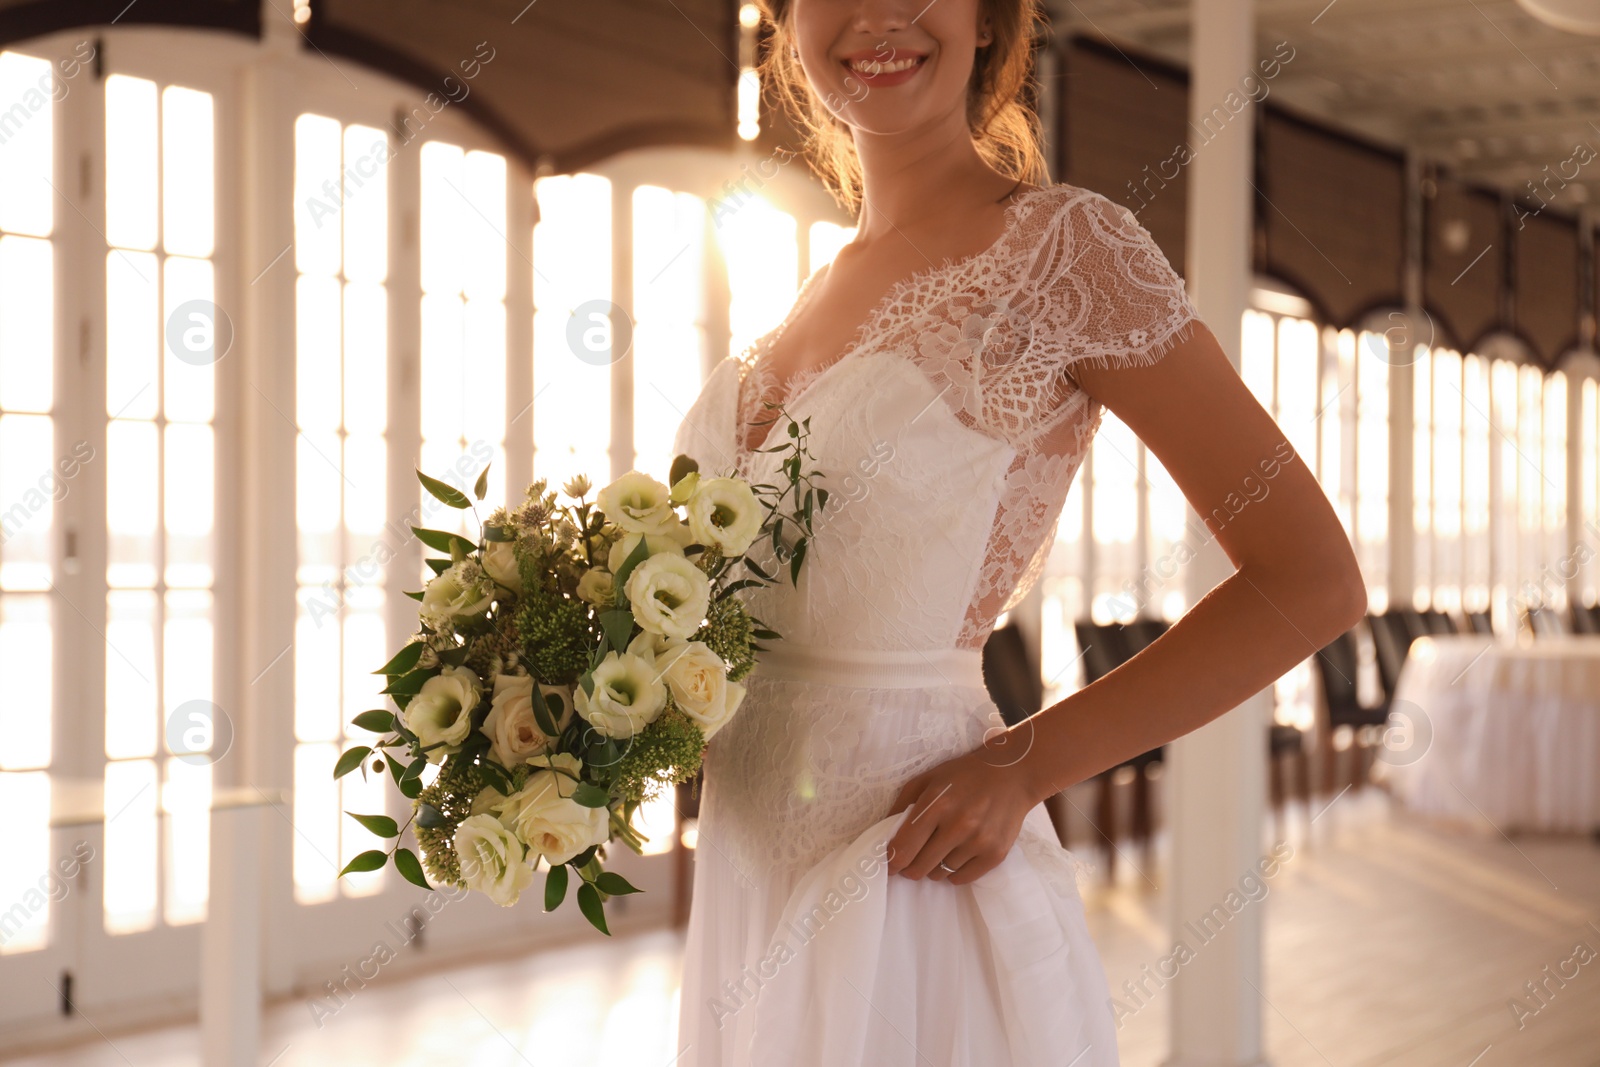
[[483, 219], [317, 493], [366, 204], [316, 823], [190, 340], [317, 195], [131, 721], [317, 361], [444, 212], [366, 352], [186, 800], [27, 334], [445, 404], [131, 140], [29, 490], [132, 502], [27, 151], [668, 295], [133, 335], [26, 800], [187, 643], [187, 168], [190, 505], [129, 899], [25, 659], [316, 667]]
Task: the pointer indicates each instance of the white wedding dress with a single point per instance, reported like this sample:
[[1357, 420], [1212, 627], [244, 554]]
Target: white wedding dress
[[947, 437]]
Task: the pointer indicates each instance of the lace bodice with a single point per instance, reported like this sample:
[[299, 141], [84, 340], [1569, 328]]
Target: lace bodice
[[949, 430]]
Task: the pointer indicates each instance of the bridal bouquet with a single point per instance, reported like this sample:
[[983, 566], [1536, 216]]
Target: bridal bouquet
[[570, 665]]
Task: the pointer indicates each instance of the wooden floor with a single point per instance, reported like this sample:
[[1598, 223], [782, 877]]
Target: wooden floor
[[1389, 941]]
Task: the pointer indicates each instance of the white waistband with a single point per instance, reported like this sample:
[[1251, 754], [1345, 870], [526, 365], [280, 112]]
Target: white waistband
[[881, 668]]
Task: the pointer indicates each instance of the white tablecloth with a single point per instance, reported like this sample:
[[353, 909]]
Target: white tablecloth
[[1480, 728]]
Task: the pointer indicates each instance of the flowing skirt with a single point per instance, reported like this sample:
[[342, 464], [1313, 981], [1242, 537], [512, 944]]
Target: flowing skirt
[[803, 952]]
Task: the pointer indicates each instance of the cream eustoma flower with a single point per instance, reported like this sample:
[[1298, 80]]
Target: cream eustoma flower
[[598, 587], [462, 591], [441, 712], [543, 814], [673, 540], [725, 512], [698, 679], [669, 595], [493, 861], [638, 503], [511, 726], [500, 561], [627, 695]]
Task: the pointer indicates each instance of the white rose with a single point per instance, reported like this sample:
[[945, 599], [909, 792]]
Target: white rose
[[627, 695], [669, 595], [543, 814], [699, 682], [598, 587], [442, 711], [511, 726], [725, 512], [638, 503], [460, 592], [492, 859], [500, 560], [668, 541]]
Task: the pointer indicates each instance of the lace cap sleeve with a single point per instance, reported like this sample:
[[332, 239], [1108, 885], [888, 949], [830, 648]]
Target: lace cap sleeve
[[1106, 293]]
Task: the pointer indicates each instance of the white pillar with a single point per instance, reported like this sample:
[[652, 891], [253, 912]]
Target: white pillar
[[1216, 774]]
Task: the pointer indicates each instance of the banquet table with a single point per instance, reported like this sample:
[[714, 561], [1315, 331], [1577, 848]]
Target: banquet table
[[1508, 732]]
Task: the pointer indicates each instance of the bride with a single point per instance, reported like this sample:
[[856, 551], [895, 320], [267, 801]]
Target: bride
[[876, 880]]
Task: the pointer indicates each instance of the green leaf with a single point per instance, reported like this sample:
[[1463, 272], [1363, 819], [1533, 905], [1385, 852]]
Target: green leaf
[[555, 887], [640, 553], [794, 564], [410, 683], [370, 860], [395, 770], [498, 533], [447, 494], [593, 910], [417, 596], [614, 884], [590, 795], [439, 566], [381, 825], [411, 779], [429, 817], [546, 715], [440, 541], [618, 625], [404, 660], [481, 486], [405, 861], [378, 721], [351, 760]]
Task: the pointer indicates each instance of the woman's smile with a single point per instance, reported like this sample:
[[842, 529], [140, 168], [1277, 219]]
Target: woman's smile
[[878, 73]]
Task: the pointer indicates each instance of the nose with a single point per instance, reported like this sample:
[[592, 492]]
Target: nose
[[886, 16]]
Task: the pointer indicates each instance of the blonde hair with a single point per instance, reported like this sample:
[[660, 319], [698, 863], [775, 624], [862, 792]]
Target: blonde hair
[[1004, 128]]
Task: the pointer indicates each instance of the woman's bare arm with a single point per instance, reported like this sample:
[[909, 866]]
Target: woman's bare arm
[[1296, 588]]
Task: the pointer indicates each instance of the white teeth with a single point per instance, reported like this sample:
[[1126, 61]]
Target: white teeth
[[872, 66]]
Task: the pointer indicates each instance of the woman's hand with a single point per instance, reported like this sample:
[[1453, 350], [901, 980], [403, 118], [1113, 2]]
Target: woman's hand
[[966, 812]]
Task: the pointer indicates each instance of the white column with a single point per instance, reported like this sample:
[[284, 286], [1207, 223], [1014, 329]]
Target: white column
[[622, 320], [1216, 774], [263, 361], [519, 330]]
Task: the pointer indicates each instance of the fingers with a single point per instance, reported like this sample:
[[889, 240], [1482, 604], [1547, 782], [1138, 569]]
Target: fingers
[[954, 830], [914, 831]]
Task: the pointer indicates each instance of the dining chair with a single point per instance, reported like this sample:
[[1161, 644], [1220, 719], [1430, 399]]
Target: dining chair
[[1336, 665], [1016, 686], [1544, 622], [1585, 618], [1391, 641], [1480, 623]]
